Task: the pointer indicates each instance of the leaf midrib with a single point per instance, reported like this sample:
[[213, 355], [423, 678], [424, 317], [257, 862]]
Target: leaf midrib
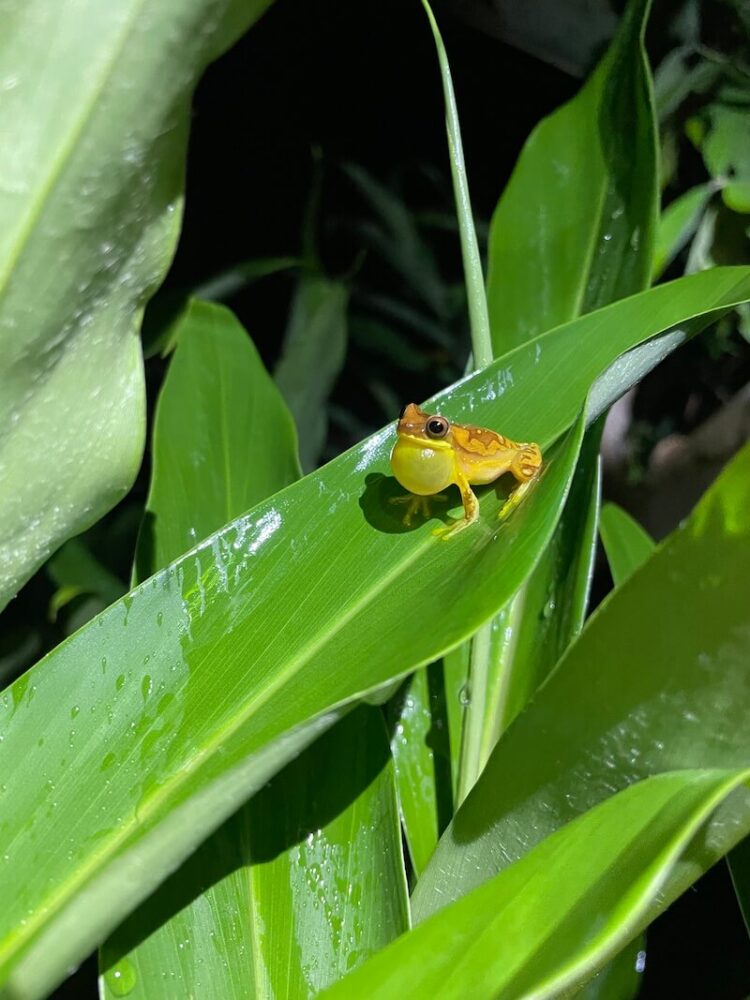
[[66, 150]]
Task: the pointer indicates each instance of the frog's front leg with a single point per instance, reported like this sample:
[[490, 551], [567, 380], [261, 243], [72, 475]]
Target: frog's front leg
[[416, 505], [525, 466]]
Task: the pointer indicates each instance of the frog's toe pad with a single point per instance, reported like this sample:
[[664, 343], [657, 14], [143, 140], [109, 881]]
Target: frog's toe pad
[[416, 505]]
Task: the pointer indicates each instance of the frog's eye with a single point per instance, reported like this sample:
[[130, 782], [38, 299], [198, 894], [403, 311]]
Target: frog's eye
[[437, 427]]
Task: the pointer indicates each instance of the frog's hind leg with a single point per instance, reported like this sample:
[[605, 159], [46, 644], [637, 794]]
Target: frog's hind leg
[[526, 466]]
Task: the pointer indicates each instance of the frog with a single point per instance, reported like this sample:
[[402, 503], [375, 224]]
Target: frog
[[432, 453]]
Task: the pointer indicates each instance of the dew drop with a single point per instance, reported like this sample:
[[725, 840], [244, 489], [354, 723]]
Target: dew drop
[[121, 978], [464, 695]]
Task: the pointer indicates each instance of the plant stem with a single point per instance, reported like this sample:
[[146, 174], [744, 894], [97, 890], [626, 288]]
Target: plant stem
[[473, 749], [479, 319]]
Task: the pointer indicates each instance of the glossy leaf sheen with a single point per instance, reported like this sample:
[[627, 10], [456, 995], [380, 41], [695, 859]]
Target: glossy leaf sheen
[[95, 122], [669, 697], [574, 228], [541, 926], [307, 879], [196, 687], [627, 545]]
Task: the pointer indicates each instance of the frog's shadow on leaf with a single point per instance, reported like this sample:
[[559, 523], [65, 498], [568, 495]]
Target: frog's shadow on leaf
[[384, 515], [377, 504]]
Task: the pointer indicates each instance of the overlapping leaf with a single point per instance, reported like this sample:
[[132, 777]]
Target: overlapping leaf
[[95, 124], [546, 923], [307, 879]]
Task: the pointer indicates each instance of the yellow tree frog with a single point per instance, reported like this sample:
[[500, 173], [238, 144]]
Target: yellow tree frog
[[431, 454]]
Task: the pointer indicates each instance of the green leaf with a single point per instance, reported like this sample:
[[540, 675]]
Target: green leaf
[[299, 887], [534, 630], [192, 690], [288, 862], [216, 416], [636, 695], [678, 224], [553, 918], [77, 571], [575, 227], [726, 151], [627, 545], [89, 216], [314, 351], [473, 276], [421, 758], [620, 979]]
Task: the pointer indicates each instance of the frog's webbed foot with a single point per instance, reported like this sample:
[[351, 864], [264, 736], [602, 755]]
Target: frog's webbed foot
[[417, 505]]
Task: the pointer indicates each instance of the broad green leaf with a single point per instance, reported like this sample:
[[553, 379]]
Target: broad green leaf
[[639, 693], [296, 889], [627, 545], [314, 351], [94, 122], [196, 687], [223, 440], [677, 225], [575, 226], [546, 923]]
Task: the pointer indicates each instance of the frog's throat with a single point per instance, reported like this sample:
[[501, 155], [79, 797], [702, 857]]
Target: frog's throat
[[427, 442]]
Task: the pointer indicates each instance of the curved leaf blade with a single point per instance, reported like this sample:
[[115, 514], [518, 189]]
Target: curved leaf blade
[[627, 545], [575, 226], [312, 357], [546, 923], [223, 440]]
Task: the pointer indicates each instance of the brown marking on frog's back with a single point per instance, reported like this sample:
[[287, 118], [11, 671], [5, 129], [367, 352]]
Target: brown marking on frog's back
[[479, 440]]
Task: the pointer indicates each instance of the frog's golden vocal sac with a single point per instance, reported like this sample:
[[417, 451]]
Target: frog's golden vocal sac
[[431, 454]]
